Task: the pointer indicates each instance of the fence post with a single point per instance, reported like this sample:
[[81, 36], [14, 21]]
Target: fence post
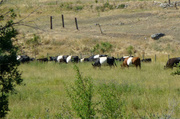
[[63, 20], [100, 28], [76, 23], [51, 22], [168, 57]]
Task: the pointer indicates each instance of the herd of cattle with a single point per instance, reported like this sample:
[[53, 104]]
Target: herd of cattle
[[98, 60]]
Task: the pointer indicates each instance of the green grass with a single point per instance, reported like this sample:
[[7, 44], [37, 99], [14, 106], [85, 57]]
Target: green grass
[[151, 90]]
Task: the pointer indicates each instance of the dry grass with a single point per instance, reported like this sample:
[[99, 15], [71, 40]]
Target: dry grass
[[121, 27]]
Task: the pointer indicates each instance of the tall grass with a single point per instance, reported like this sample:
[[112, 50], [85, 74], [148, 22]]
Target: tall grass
[[147, 93]]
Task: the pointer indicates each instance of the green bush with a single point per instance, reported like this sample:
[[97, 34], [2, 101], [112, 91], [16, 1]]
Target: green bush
[[78, 8], [102, 48], [81, 96], [177, 72], [130, 50], [121, 6]]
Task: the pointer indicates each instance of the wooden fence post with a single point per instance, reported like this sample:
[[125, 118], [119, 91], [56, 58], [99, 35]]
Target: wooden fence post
[[76, 23], [63, 20], [100, 28], [51, 22]]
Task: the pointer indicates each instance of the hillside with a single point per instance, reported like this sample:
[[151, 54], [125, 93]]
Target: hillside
[[124, 24]]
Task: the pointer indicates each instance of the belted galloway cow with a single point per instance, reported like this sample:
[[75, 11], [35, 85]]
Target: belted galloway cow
[[132, 61]]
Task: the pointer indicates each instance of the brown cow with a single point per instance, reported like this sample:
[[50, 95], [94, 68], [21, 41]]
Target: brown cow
[[132, 60]]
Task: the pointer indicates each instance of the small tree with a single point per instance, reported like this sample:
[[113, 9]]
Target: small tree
[[9, 74]]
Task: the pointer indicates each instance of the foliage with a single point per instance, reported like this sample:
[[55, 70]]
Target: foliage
[[130, 50], [81, 96], [105, 6], [102, 48], [9, 74], [177, 72], [121, 6]]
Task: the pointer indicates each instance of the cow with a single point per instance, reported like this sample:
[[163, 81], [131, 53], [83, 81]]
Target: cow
[[146, 60], [62, 58], [172, 62], [42, 59], [123, 58], [132, 60], [110, 61], [24, 58], [53, 58], [75, 59], [92, 58]]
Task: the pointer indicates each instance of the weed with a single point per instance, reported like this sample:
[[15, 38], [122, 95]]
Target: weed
[[81, 96]]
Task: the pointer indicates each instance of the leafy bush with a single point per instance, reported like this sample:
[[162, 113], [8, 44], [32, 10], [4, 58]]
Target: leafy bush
[[102, 48], [78, 8], [121, 6], [177, 72], [130, 50], [81, 96]]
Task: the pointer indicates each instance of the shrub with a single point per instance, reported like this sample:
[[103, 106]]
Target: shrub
[[130, 50], [81, 96], [102, 48], [177, 72]]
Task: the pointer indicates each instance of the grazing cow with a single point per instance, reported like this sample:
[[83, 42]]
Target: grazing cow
[[75, 59], [62, 58], [68, 59], [172, 62], [92, 58], [123, 58], [24, 58], [42, 59], [132, 60], [146, 60], [53, 58], [110, 61]]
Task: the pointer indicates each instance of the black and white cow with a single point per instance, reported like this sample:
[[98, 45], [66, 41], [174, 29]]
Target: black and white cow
[[68, 58], [110, 61], [92, 58], [24, 58], [62, 58]]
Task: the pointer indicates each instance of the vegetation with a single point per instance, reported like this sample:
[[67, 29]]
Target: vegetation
[[115, 93], [45, 94], [130, 50], [102, 47], [9, 74]]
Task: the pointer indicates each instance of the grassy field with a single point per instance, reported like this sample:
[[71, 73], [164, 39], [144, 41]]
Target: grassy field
[[146, 92]]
